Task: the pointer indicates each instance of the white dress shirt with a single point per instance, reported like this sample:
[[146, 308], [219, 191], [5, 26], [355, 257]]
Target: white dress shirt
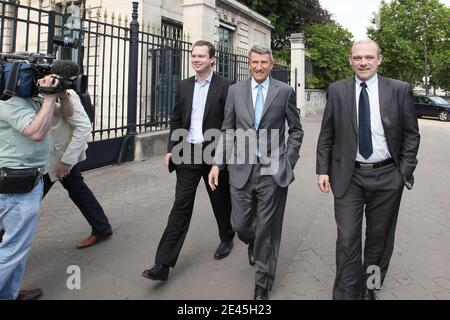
[[380, 148], [195, 135]]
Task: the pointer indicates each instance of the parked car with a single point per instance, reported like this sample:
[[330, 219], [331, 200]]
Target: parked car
[[432, 106]]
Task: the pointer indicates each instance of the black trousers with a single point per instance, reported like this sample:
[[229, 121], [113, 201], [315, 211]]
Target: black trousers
[[377, 192], [188, 178], [84, 199]]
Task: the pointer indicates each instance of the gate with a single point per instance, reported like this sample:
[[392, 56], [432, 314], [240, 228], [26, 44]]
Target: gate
[[166, 73], [281, 73], [132, 73]]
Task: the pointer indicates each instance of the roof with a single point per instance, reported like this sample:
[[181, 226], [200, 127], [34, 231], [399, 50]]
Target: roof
[[249, 12]]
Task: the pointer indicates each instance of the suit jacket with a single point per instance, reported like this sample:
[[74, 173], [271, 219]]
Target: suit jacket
[[214, 107], [337, 143], [279, 107], [69, 137]]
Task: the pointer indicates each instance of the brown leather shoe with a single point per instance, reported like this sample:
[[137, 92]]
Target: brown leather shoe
[[91, 240], [32, 294]]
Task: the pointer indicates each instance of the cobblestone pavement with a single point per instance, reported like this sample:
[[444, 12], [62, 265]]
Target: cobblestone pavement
[[137, 198]]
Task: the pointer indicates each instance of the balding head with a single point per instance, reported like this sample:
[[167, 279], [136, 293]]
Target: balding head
[[365, 58], [367, 41]]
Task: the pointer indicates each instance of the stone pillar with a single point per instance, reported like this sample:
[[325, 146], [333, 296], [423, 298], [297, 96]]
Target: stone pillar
[[199, 21], [150, 13], [298, 63]]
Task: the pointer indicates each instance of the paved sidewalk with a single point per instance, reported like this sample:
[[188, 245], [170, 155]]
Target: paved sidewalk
[[137, 198]]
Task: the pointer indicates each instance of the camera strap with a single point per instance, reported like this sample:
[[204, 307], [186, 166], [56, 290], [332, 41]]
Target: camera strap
[[12, 81]]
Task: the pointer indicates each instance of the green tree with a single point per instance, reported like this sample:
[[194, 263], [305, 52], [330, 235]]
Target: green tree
[[329, 46], [410, 33], [441, 70], [440, 58], [288, 17]]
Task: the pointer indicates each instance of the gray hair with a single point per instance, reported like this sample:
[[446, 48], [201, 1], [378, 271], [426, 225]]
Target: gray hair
[[366, 41], [259, 49]]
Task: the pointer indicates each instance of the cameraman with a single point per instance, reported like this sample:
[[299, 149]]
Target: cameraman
[[24, 151]]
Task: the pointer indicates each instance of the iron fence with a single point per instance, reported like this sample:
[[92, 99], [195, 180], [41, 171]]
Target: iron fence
[[232, 64], [132, 69], [105, 55]]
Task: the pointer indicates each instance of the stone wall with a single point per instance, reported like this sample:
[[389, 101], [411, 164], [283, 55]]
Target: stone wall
[[315, 101]]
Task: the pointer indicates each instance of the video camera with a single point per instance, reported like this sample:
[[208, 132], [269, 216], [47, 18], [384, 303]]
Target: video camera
[[19, 72]]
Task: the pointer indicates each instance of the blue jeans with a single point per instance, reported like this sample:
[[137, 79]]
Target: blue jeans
[[19, 213]]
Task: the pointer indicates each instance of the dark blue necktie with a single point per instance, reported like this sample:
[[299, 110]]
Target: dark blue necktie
[[365, 133]]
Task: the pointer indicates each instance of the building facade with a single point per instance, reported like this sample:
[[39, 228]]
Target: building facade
[[133, 53]]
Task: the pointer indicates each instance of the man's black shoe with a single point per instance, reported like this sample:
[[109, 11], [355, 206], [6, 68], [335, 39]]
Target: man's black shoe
[[369, 295], [261, 293], [224, 249], [251, 257], [157, 272], [32, 294]]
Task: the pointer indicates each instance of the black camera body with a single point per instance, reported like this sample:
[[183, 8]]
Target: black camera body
[[19, 73], [76, 83]]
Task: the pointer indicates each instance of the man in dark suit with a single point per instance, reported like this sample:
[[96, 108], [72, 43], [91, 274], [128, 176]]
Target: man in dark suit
[[199, 107], [259, 108], [367, 151]]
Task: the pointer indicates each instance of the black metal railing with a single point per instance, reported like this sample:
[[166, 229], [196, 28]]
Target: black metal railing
[[232, 64], [282, 73], [132, 70], [102, 54], [164, 60]]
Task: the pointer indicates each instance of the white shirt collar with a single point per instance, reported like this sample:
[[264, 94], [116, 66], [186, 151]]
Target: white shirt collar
[[265, 84], [208, 80], [372, 81]]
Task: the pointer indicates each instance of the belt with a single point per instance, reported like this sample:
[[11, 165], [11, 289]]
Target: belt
[[363, 165]]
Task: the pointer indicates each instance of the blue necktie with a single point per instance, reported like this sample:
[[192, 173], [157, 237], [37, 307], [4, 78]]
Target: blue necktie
[[365, 133], [259, 105]]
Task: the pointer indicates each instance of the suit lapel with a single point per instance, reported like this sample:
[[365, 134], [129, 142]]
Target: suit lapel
[[189, 99], [248, 99], [350, 94], [385, 97], [211, 95], [272, 92]]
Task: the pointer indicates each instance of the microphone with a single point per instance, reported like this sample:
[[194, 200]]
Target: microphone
[[65, 68]]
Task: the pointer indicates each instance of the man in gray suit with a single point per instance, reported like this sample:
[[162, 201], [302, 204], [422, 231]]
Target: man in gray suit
[[257, 110], [367, 151]]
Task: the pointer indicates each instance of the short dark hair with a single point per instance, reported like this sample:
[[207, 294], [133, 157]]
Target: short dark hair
[[211, 49]]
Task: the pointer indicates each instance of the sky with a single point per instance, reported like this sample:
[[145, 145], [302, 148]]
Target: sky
[[355, 15]]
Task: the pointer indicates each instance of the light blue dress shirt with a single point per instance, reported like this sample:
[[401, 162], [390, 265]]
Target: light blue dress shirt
[[265, 88], [195, 135]]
